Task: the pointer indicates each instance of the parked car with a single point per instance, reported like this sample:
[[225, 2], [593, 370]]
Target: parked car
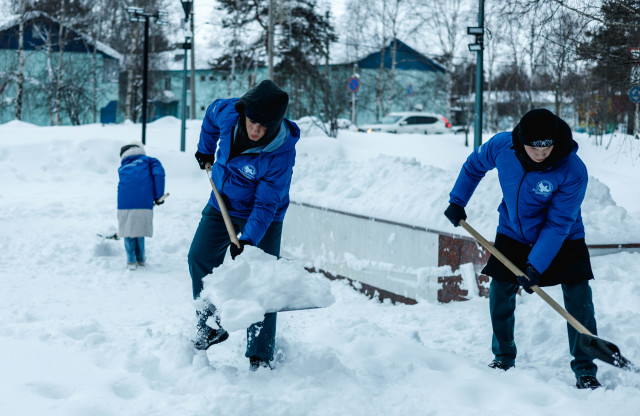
[[409, 122]]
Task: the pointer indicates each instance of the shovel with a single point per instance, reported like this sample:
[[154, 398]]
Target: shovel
[[592, 345], [232, 232], [161, 199]]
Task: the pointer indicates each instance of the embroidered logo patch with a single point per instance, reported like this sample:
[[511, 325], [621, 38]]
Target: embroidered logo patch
[[543, 188], [541, 143], [249, 171]]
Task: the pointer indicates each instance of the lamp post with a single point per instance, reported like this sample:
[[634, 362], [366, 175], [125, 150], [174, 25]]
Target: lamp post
[[137, 14], [478, 47], [186, 5]]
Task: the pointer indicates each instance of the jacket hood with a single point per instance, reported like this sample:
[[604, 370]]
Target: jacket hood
[[285, 140], [132, 149], [563, 145], [266, 104]]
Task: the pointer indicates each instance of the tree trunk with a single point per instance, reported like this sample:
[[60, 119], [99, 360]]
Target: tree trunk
[[392, 72], [50, 74], [97, 34], [380, 85], [128, 115], [61, 45], [20, 74]]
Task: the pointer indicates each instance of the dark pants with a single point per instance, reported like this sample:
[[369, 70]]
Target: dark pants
[[207, 252], [577, 301]]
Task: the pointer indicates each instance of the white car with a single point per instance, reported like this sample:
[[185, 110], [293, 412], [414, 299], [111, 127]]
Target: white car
[[409, 122]]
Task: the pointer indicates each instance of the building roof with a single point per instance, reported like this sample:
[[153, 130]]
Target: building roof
[[80, 42], [407, 58]]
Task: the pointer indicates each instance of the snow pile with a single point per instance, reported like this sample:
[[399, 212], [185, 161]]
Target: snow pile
[[255, 282], [605, 221], [407, 179]]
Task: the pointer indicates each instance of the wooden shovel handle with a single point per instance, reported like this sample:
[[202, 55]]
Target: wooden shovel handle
[[223, 209], [515, 270]]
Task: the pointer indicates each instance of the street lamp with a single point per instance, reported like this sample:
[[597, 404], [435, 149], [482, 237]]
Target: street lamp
[[186, 5], [136, 14], [478, 47]]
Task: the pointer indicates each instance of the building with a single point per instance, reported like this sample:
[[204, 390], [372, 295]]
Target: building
[[416, 84], [89, 74]]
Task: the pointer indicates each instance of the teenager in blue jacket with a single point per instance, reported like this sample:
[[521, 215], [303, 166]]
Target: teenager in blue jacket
[[252, 170], [140, 186], [540, 228]]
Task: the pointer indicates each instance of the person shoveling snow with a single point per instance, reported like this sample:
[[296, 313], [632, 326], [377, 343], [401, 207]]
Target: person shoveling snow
[[252, 168]]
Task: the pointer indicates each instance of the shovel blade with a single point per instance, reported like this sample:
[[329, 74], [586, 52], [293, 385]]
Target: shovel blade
[[605, 351]]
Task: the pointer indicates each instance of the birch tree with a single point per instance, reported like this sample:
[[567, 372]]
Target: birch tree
[[20, 71]]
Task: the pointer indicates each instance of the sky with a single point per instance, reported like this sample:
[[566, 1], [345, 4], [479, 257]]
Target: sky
[[82, 335]]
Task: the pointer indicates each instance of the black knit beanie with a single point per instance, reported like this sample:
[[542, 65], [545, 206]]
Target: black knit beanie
[[542, 128], [539, 128]]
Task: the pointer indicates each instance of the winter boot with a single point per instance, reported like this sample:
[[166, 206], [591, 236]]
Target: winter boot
[[207, 336], [256, 362], [499, 366], [587, 382], [132, 266]]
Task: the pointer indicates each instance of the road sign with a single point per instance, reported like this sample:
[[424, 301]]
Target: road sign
[[354, 84], [410, 90], [635, 75], [634, 94]]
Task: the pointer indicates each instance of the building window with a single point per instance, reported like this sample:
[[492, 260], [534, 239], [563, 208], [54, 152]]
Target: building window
[[201, 108], [203, 77], [110, 70], [210, 77], [167, 83]]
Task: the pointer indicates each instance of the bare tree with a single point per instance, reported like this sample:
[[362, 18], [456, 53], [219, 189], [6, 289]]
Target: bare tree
[[381, 23], [20, 72], [446, 21]]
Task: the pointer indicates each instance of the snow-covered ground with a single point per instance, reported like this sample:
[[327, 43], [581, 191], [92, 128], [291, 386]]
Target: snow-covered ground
[[80, 335]]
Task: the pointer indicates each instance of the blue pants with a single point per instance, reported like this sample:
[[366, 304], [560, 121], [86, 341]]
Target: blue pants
[[577, 301], [207, 252], [135, 249]]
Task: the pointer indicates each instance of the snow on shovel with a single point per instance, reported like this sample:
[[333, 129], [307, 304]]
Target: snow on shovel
[[256, 283], [592, 345]]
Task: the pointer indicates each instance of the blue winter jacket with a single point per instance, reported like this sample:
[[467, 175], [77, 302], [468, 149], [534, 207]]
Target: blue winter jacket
[[141, 182], [539, 208], [255, 184]]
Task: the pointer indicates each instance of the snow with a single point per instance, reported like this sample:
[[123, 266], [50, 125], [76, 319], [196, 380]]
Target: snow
[[81, 335], [256, 283]]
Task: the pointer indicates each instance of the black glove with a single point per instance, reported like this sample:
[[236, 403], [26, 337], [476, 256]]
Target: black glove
[[533, 280], [204, 158], [455, 213], [158, 201], [235, 250]]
